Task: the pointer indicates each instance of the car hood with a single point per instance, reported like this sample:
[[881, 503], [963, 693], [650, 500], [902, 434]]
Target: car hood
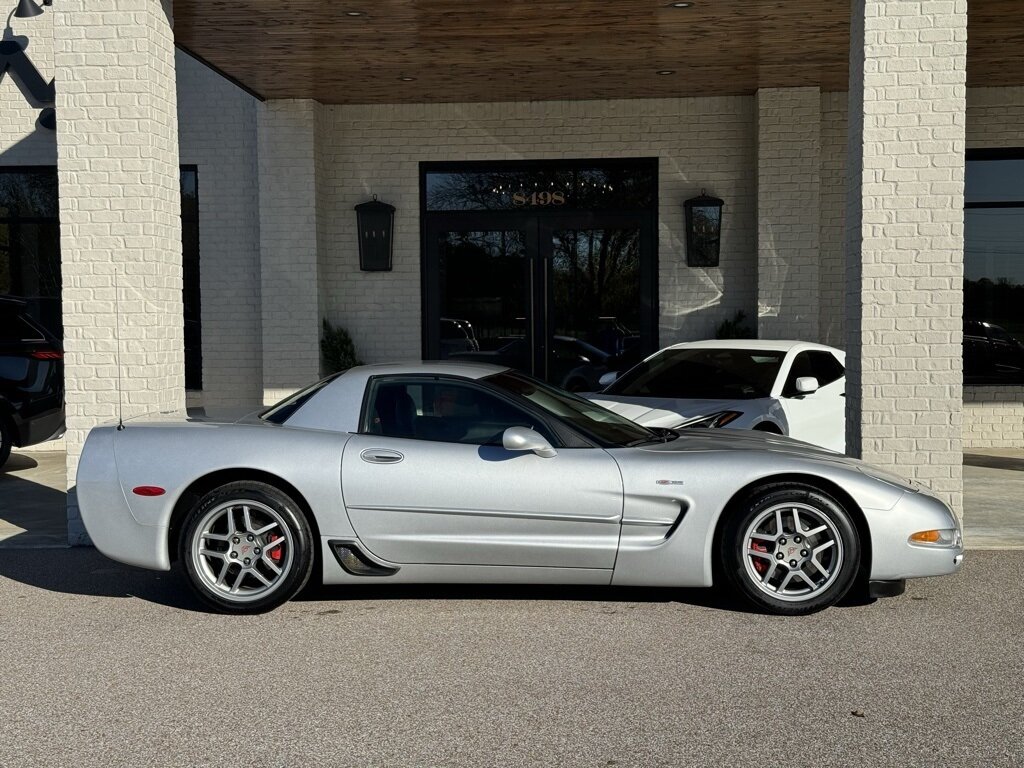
[[666, 412]]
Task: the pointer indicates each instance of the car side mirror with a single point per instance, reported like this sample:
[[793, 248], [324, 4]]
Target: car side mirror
[[805, 385], [526, 439], [608, 379]]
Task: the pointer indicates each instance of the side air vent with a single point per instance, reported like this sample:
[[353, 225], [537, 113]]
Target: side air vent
[[352, 558]]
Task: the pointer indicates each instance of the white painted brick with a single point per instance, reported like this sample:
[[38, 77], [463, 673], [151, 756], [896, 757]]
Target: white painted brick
[[920, 259], [136, 249]]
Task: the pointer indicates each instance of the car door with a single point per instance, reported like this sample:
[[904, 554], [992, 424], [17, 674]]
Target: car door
[[817, 417], [426, 480]]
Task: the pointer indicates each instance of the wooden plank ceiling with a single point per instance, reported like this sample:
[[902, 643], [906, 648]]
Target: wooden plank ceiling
[[395, 51]]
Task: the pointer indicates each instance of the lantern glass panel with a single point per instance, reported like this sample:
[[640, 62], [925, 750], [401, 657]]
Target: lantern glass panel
[[375, 224], [703, 231]]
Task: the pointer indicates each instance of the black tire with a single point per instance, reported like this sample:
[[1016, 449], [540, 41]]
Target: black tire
[[266, 504], [6, 436], [758, 579], [767, 426]]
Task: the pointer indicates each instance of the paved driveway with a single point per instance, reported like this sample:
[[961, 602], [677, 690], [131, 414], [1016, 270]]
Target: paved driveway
[[106, 665]]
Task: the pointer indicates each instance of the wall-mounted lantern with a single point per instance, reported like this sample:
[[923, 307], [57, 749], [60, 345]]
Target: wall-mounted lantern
[[376, 223], [703, 230]]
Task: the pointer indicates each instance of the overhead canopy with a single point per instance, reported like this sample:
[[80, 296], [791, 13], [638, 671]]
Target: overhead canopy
[[400, 51]]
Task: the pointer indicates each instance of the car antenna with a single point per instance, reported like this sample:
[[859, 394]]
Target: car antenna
[[117, 352]]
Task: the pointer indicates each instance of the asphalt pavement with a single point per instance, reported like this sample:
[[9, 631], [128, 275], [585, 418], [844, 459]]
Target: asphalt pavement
[[106, 665]]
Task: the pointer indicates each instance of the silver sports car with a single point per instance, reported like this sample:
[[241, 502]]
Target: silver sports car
[[459, 472]]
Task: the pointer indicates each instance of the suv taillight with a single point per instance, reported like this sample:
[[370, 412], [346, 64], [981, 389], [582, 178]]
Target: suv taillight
[[47, 354]]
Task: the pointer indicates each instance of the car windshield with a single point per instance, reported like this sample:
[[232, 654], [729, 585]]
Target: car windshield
[[596, 422], [702, 374]]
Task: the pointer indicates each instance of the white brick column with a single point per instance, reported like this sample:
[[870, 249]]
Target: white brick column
[[905, 238], [788, 212], [120, 215], [288, 246]]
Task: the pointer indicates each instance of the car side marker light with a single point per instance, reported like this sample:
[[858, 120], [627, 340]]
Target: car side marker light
[[148, 490]]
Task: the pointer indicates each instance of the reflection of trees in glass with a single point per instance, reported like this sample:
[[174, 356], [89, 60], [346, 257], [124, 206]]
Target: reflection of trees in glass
[[483, 280], [596, 285]]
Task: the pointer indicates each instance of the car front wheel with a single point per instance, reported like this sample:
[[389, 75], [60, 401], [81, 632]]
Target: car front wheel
[[791, 550], [246, 548]]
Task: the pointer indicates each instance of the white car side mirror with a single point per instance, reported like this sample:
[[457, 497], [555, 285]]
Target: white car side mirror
[[608, 379], [526, 439], [805, 385]]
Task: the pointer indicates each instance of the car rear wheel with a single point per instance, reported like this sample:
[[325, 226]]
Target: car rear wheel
[[791, 550], [247, 548]]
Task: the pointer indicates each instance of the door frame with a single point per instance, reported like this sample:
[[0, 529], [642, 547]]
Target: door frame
[[538, 225]]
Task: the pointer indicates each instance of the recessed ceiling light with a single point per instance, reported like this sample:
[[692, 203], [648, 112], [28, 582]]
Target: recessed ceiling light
[[407, 79], [666, 71], [354, 13], [679, 5]]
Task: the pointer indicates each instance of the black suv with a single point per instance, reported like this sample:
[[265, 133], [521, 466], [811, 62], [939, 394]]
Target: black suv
[[31, 380]]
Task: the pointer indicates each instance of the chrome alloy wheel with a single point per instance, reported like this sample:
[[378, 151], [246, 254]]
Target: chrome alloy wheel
[[242, 550], [792, 551]]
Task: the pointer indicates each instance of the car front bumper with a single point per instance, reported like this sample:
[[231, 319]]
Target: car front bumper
[[894, 557]]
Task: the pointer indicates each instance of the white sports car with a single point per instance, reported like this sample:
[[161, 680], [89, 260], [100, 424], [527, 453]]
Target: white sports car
[[789, 388], [449, 472]]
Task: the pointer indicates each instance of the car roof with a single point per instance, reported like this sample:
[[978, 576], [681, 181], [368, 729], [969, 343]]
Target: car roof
[[774, 345], [468, 370]]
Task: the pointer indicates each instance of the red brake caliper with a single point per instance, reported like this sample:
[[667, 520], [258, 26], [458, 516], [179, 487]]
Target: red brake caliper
[[759, 563], [275, 553]]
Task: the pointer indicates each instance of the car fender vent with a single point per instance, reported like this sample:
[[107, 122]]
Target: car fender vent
[[355, 561]]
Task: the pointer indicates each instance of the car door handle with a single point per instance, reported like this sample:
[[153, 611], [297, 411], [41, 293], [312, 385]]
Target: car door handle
[[381, 456]]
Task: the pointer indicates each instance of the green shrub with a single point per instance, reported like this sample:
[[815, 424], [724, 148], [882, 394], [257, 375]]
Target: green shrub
[[337, 349], [736, 328]]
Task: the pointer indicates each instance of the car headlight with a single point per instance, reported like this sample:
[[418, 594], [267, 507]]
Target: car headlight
[[711, 421]]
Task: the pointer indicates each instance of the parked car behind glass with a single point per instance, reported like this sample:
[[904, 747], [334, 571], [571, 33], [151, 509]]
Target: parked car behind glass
[[31, 380], [786, 387]]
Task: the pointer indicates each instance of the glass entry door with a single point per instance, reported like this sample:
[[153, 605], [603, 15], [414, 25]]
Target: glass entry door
[[546, 267], [562, 298]]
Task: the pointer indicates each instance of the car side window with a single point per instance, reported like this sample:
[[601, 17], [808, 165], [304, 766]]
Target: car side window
[[827, 368], [821, 365], [442, 411], [801, 367]]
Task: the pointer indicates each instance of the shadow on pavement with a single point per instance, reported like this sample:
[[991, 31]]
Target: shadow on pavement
[[18, 462], [84, 571], [994, 462], [33, 513]]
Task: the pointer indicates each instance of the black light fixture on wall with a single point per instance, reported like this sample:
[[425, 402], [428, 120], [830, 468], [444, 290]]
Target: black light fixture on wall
[[28, 8], [703, 230], [375, 223]]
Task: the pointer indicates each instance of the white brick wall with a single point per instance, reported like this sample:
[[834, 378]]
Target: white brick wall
[[120, 208], [290, 311], [832, 220], [905, 238], [366, 150], [788, 206], [217, 133]]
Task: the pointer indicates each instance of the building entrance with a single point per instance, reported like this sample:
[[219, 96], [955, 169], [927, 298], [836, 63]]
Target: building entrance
[[549, 268]]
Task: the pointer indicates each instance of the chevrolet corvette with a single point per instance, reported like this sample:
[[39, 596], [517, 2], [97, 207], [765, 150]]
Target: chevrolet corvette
[[467, 472]]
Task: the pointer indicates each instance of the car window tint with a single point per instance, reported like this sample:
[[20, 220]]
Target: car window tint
[[801, 367], [826, 368], [14, 328], [702, 373], [443, 411]]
